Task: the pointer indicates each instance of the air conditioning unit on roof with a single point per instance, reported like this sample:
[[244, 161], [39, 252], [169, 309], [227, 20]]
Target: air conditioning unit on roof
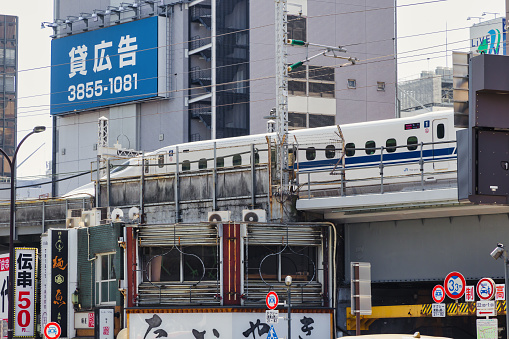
[[219, 216], [258, 215]]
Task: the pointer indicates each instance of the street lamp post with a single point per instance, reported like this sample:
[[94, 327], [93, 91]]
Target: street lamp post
[[498, 252], [288, 283], [12, 165]]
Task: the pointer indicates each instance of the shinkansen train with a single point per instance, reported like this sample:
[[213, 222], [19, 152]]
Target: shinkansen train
[[356, 155]]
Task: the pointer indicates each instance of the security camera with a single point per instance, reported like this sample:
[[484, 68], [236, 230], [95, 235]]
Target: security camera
[[498, 251], [288, 280]]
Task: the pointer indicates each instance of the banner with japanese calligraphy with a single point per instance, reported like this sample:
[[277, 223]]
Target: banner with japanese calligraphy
[[25, 272], [226, 325], [59, 296], [45, 271], [4, 283], [108, 66]]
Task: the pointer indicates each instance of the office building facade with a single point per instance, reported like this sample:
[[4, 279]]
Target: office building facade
[[213, 72], [8, 87]]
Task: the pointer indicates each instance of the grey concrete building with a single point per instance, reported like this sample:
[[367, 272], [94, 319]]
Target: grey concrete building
[[217, 77]]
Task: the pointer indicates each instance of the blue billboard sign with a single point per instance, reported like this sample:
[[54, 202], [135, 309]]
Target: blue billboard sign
[[104, 67]]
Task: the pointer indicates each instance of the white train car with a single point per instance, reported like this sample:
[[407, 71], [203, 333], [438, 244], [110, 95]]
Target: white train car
[[319, 155]]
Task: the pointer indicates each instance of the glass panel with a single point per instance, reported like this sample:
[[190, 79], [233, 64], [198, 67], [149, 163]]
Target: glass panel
[[160, 161], [310, 153], [237, 160], [113, 290], [299, 73], [352, 83], [299, 263], [350, 149], [321, 73], [390, 145], [319, 120], [104, 291], [321, 89], [270, 264], [296, 27], [193, 268], [330, 151], [297, 120], [111, 259], [370, 147], [97, 300], [104, 267], [202, 164], [440, 131], [410, 142], [297, 87], [186, 165]]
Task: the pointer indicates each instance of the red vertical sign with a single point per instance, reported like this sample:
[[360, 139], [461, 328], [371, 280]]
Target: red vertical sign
[[231, 264]]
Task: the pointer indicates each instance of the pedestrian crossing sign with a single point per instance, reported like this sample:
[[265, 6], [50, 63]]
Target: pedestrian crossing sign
[[272, 333]]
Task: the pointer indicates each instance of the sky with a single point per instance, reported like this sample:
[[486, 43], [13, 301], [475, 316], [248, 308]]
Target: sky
[[426, 30]]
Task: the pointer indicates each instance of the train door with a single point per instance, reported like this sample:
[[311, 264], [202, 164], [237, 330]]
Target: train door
[[440, 150]]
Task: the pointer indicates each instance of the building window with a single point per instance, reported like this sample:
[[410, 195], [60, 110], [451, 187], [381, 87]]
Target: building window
[[297, 120], [296, 27], [320, 120], [317, 81], [105, 279], [380, 86], [164, 264], [352, 83]]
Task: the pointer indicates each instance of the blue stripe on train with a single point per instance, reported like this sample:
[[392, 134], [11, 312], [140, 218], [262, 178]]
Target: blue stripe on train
[[388, 159]]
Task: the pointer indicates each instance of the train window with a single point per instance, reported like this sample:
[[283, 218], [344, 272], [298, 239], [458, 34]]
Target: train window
[[310, 153], [370, 147], [330, 151], [160, 161], [186, 165], [220, 162], [120, 167], [145, 165], [237, 160], [390, 145], [202, 164], [411, 143], [350, 149], [440, 131], [257, 157]]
